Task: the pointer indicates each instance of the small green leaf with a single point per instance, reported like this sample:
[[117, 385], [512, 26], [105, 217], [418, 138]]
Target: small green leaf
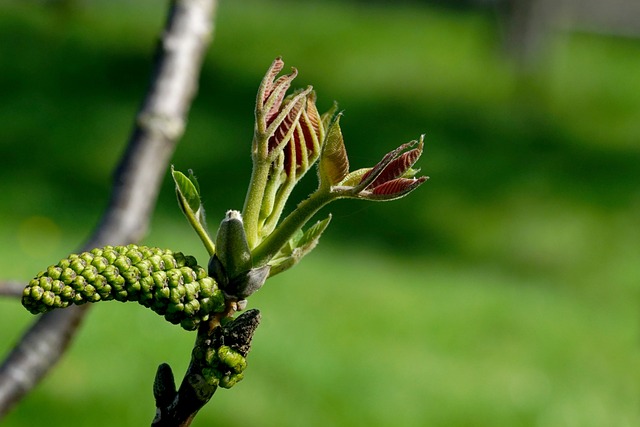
[[186, 189], [194, 180], [334, 163], [188, 193], [353, 178], [293, 243], [297, 247], [311, 237]]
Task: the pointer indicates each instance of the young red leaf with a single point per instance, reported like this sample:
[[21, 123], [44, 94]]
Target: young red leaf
[[398, 167], [395, 188]]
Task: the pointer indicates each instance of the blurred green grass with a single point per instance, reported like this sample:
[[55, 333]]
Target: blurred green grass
[[504, 292]]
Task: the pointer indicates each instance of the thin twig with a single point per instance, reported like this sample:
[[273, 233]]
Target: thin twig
[[179, 408], [159, 125], [11, 288]]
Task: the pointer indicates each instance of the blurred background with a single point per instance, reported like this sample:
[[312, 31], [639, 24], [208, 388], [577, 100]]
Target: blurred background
[[503, 292]]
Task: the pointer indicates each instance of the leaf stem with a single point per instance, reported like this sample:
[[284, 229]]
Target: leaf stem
[[270, 246], [253, 201], [199, 228], [203, 234]]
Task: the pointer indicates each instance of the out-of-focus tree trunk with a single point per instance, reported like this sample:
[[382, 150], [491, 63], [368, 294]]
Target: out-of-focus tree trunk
[[158, 127], [527, 27]]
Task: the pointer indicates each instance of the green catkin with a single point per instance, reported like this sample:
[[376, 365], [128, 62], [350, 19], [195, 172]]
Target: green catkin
[[170, 283]]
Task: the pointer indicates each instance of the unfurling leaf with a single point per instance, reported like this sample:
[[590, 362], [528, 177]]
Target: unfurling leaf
[[304, 147], [334, 163], [329, 116], [187, 190], [314, 122], [267, 84], [310, 238], [354, 178], [395, 188], [281, 128], [299, 246], [377, 170], [271, 93], [391, 178], [188, 194], [398, 167]]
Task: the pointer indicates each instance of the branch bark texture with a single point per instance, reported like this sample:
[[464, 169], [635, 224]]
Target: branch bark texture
[[11, 288], [159, 125]]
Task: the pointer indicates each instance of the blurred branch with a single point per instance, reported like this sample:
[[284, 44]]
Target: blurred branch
[[159, 125], [528, 27], [11, 288]]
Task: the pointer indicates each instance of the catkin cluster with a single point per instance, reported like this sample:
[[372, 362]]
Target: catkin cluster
[[169, 283]]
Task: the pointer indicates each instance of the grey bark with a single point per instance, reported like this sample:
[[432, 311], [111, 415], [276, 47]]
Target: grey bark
[[11, 288], [159, 125]]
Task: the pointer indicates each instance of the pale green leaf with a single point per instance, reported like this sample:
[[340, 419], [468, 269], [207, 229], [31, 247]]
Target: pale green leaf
[[353, 178], [186, 190], [297, 247], [194, 181], [310, 238]]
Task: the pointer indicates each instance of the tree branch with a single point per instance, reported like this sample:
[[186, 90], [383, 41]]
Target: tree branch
[[11, 288], [159, 125]]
